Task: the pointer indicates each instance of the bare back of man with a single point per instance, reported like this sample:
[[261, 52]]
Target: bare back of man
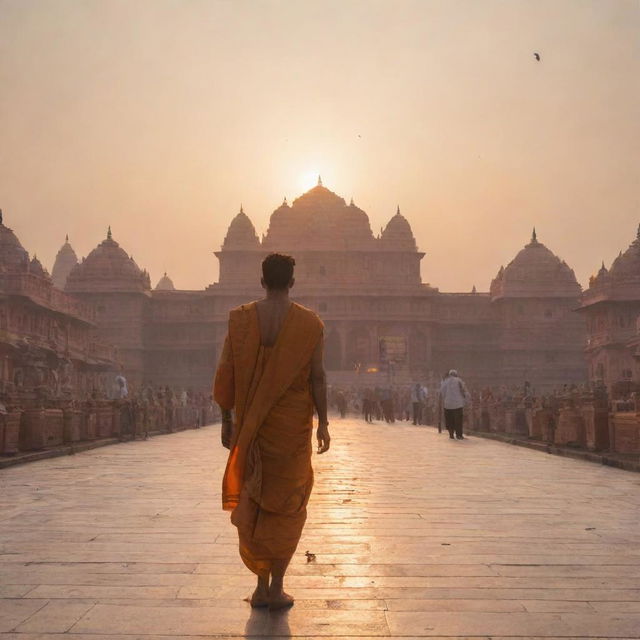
[[272, 312]]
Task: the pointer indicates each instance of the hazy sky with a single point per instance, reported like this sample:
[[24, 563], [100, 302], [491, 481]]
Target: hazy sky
[[160, 117]]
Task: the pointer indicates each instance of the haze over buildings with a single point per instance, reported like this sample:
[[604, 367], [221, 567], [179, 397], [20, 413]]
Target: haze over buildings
[[159, 118]]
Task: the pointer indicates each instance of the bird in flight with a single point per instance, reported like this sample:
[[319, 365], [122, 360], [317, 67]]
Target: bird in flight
[[537, 56]]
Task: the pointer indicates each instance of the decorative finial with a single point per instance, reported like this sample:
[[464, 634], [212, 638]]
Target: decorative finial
[[351, 203], [241, 209], [534, 236], [319, 180], [398, 210], [474, 290], [603, 265], [284, 202], [109, 233], [66, 238], [1, 217], [638, 234]]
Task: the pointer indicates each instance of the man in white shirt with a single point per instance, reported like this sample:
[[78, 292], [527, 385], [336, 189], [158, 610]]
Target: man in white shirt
[[455, 396], [121, 390]]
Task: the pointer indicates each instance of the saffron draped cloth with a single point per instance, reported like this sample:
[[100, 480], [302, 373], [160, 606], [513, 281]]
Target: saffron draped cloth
[[268, 478]]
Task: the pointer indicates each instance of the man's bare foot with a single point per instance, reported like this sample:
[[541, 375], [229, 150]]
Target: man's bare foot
[[279, 600], [260, 597]]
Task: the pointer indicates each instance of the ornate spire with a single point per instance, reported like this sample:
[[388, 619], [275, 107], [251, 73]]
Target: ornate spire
[[534, 236], [474, 290], [284, 202], [637, 235], [398, 210], [241, 208], [66, 238], [1, 217], [319, 180], [109, 237], [351, 203]]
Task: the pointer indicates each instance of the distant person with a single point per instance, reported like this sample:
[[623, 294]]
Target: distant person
[[424, 405], [387, 405], [455, 396], [271, 373], [341, 403], [416, 400], [367, 405], [122, 391]]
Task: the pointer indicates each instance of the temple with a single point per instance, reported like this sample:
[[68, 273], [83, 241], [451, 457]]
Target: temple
[[383, 324]]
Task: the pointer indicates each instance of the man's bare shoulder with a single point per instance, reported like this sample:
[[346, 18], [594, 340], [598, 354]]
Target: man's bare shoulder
[[309, 315], [242, 309]]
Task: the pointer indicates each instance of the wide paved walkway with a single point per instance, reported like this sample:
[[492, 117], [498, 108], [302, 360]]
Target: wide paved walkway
[[414, 536]]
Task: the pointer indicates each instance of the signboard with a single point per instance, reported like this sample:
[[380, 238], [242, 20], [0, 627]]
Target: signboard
[[393, 349]]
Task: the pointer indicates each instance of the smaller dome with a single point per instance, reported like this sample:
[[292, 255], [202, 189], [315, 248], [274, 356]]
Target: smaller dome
[[66, 259], [36, 269], [13, 256], [107, 268], [627, 265], [535, 272], [397, 235], [241, 234], [165, 283]]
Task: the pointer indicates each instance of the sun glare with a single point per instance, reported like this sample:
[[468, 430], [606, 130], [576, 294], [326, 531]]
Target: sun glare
[[308, 180]]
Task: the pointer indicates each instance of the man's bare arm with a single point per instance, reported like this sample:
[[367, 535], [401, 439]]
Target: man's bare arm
[[319, 393]]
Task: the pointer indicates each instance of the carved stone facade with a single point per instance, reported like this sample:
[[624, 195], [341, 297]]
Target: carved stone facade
[[369, 292], [611, 306], [383, 324], [50, 351]]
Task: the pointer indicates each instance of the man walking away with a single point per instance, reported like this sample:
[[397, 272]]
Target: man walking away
[[455, 395]]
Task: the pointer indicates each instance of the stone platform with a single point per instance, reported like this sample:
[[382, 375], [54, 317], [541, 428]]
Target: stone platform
[[415, 536]]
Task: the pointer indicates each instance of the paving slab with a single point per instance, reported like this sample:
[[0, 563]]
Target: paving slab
[[414, 535]]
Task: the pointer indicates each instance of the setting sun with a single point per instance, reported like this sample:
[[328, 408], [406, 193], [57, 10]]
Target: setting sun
[[308, 180]]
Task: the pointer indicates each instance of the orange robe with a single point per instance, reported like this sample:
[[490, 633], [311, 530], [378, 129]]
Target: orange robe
[[268, 478]]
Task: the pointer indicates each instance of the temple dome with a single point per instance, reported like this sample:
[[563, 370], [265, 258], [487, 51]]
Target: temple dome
[[66, 259], [241, 234], [627, 265], [107, 268], [397, 235], [165, 283], [13, 256], [318, 220], [319, 198], [535, 272], [36, 269]]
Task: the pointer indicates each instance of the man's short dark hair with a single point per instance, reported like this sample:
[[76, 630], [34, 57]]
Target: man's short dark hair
[[277, 270]]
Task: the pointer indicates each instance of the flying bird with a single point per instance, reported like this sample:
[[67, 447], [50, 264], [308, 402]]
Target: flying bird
[[536, 56]]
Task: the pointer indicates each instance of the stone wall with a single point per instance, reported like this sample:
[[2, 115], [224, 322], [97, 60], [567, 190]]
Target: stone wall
[[23, 430], [583, 420]]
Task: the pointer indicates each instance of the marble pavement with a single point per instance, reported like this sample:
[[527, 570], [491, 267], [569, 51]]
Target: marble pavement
[[414, 535]]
